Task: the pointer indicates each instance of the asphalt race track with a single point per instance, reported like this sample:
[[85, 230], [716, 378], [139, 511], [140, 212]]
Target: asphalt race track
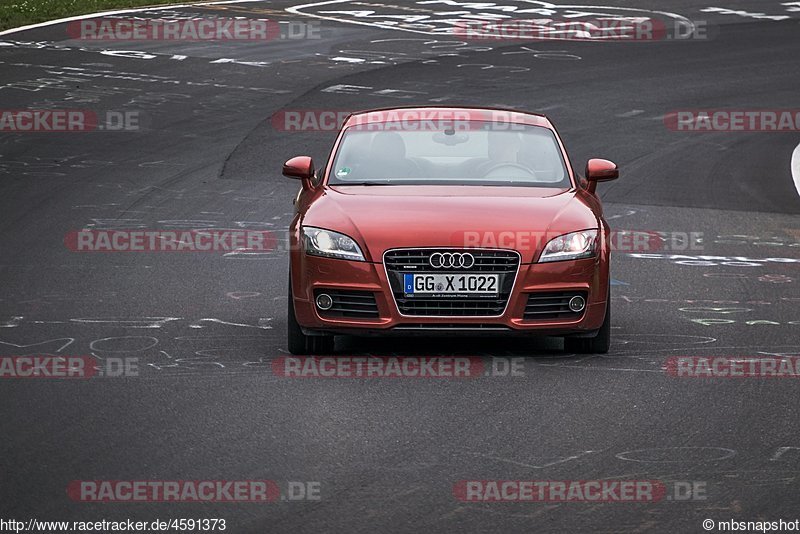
[[387, 455]]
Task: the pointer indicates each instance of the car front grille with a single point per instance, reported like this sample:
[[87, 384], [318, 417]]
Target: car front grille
[[505, 263], [418, 260], [554, 305], [356, 304]]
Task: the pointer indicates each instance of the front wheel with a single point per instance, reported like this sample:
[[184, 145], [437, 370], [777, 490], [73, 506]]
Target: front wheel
[[298, 342], [593, 345]]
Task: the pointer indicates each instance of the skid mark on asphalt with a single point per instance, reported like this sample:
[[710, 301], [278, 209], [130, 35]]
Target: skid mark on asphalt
[[528, 465], [72, 74]]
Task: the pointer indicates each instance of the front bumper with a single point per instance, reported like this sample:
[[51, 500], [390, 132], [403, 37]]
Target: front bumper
[[312, 274]]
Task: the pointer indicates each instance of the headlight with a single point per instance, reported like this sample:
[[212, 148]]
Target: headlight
[[570, 246], [319, 242]]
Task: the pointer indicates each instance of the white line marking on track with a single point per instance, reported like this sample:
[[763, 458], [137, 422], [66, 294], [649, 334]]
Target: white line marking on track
[[392, 25], [119, 12], [796, 168]]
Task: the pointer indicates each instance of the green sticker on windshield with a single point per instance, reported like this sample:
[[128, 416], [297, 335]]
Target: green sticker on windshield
[[344, 171]]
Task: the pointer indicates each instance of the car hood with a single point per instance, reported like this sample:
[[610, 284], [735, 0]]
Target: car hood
[[385, 217]]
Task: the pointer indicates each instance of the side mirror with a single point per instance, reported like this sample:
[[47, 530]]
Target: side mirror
[[302, 168], [600, 170]]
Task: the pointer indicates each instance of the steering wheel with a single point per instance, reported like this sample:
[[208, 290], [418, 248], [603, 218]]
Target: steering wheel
[[417, 167], [493, 171]]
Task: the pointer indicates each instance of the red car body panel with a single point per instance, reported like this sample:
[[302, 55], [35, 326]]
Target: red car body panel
[[380, 219]]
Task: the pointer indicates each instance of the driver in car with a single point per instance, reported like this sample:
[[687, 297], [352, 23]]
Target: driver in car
[[503, 150]]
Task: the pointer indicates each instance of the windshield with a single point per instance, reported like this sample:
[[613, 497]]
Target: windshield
[[484, 153]]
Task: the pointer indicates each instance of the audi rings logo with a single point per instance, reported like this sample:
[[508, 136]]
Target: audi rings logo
[[452, 260]]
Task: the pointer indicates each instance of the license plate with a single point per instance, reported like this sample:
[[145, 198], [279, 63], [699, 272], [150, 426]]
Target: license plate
[[451, 284]]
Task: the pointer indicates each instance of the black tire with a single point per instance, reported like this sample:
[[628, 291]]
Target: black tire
[[298, 342], [593, 345]]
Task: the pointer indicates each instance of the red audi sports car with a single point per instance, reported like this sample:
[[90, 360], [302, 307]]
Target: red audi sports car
[[431, 221]]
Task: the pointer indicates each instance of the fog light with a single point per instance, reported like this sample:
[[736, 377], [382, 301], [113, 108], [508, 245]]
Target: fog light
[[324, 302], [577, 304]]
